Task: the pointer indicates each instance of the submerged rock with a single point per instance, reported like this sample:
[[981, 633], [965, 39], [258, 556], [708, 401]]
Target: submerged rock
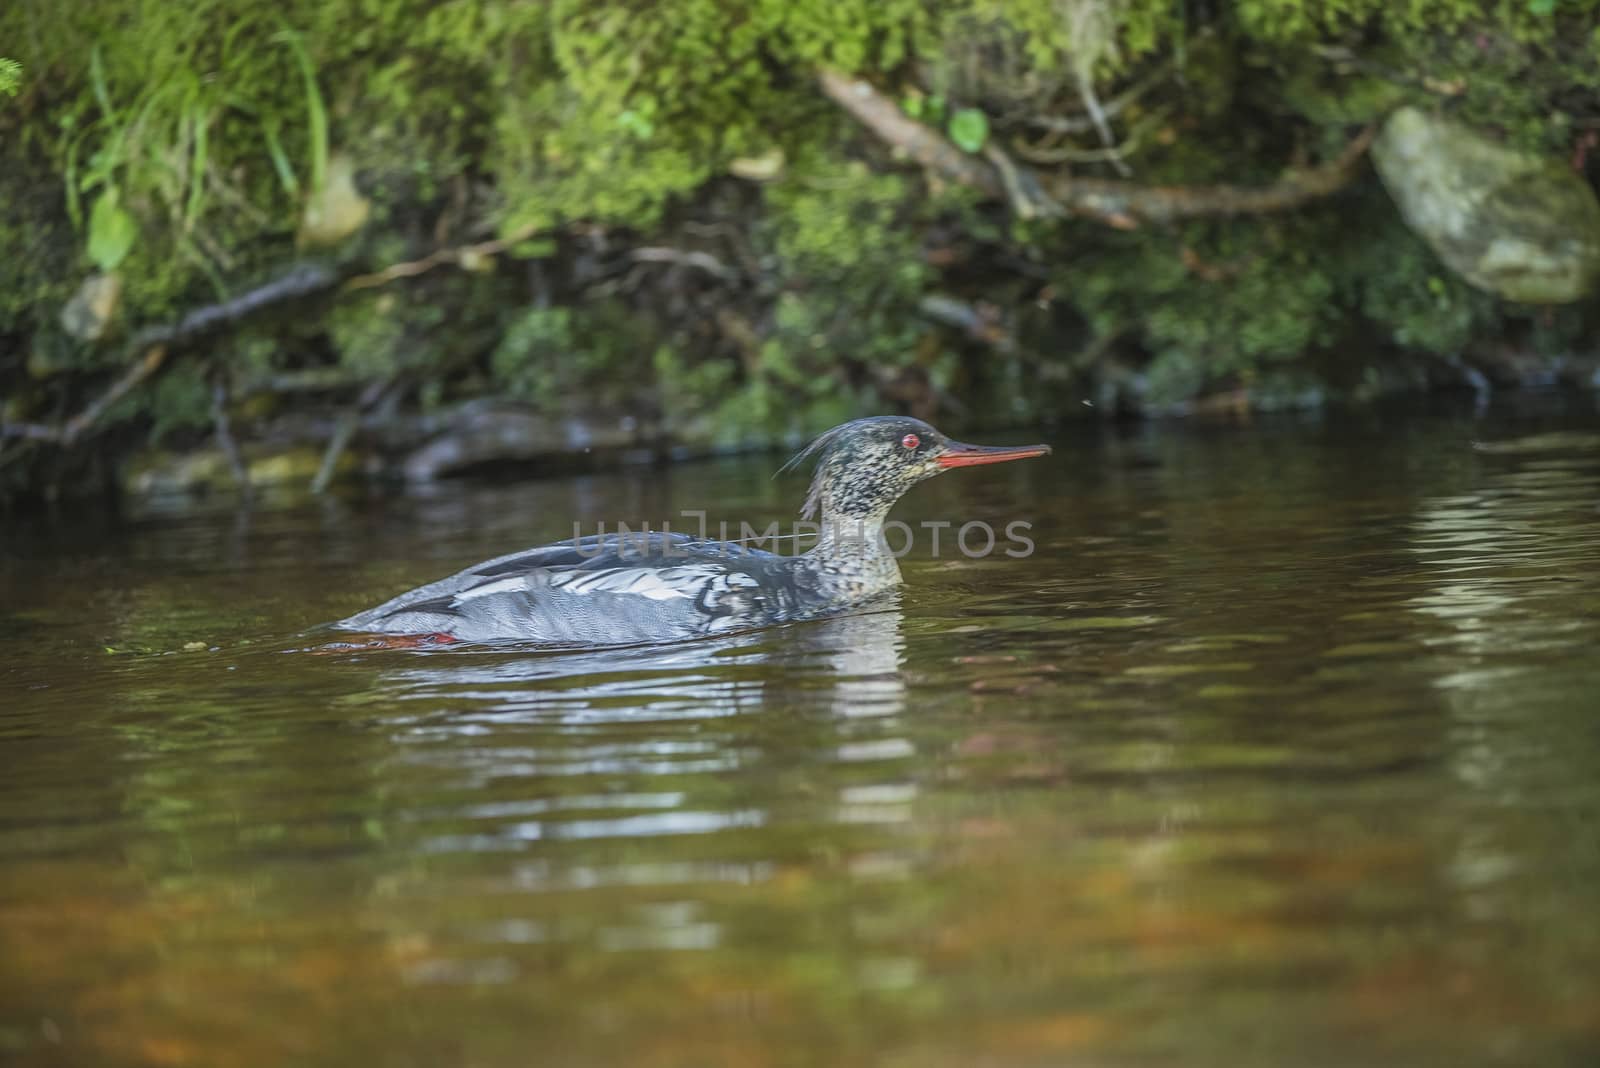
[[1519, 225]]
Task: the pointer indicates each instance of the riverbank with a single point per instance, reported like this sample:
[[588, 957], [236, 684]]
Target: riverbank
[[349, 237]]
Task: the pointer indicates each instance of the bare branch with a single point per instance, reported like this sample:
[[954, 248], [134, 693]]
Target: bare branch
[[1115, 202], [148, 348], [921, 143], [73, 428]]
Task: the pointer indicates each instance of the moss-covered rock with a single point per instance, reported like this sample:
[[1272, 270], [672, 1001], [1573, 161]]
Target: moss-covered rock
[[1514, 223]]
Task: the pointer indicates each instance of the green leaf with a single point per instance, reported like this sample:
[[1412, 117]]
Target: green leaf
[[197, 165], [969, 129], [280, 160], [316, 110], [97, 78], [1542, 8], [636, 123], [111, 232]]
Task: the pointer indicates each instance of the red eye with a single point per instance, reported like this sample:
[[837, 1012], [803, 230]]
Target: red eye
[[911, 441]]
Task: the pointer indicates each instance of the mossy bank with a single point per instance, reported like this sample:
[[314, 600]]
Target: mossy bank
[[647, 216]]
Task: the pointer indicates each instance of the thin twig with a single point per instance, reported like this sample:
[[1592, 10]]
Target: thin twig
[[346, 429], [1339, 54], [148, 365], [460, 254], [349, 423], [704, 261], [1117, 105], [1072, 154], [69, 432], [1027, 200], [1102, 123], [225, 440]]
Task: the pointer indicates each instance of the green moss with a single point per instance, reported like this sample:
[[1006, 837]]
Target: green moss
[[594, 357], [179, 400]]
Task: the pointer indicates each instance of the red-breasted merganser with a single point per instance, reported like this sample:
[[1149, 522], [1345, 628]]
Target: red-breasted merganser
[[632, 589]]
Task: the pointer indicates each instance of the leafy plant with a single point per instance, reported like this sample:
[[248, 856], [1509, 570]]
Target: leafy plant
[[10, 77]]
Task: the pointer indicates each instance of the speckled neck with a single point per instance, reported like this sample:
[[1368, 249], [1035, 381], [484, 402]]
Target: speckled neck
[[850, 558]]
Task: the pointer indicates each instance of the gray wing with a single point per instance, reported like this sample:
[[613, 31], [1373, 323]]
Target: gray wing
[[598, 591]]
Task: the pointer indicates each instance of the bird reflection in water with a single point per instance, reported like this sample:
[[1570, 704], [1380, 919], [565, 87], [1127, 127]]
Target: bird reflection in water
[[861, 654], [648, 768]]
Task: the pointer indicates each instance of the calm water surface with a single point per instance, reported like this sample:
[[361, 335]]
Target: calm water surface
[[1283, 748]]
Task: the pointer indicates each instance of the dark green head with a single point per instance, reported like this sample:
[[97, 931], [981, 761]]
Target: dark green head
[[864, 466]]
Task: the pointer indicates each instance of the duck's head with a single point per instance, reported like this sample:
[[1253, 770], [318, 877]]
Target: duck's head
[[864, 466]]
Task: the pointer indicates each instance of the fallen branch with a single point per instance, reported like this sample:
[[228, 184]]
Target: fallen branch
[[1112, 201], [148, 348], [68, 432], [301, 280]]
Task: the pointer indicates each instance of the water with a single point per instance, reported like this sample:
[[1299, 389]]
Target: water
[[1281, 749]]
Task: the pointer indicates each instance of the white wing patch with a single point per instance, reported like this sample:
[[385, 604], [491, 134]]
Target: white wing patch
[[514, 584], [656, 583]]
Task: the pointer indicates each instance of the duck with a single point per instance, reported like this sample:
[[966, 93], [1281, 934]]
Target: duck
[[638, 588]]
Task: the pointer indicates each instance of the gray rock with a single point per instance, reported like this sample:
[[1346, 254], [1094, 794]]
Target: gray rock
[[1522, 226]]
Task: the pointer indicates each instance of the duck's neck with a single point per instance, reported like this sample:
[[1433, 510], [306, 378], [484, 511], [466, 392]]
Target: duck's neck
[[851, 533], [850, 546]]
